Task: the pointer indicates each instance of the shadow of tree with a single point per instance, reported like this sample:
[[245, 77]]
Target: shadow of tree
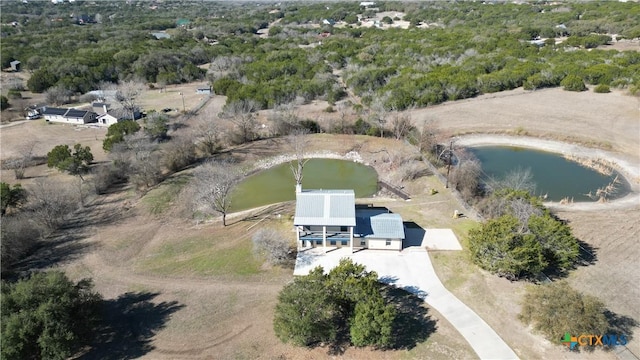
[[620, 324], [66, 243], [587, 256], [412, 325], [129, 324]]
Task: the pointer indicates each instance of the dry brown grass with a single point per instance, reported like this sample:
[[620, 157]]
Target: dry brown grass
[[229, 315]]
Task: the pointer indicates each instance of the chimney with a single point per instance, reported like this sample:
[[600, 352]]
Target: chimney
[[298, 188], [104, 106]]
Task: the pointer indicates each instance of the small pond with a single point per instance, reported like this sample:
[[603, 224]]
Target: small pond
[[553, 175], [277, 184]]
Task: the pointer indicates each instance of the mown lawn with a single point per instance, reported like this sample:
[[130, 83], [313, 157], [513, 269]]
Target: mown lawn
[[202, 256]]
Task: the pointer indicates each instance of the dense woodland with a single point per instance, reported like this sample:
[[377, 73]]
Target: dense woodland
[[451, 50]]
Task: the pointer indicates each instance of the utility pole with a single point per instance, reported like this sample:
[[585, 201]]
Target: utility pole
[[449, 163], [184, 110]]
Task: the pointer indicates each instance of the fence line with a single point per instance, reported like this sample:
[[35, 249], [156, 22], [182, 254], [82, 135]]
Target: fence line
[[397, 191]]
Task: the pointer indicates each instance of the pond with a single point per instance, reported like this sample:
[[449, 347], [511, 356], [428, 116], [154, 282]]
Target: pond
[[554, 175], [276, 184]]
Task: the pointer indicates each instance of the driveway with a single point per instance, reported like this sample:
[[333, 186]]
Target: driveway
[[411, 269]]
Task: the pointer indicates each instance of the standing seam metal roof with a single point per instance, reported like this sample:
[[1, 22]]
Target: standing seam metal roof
[[381, 226], [325, 207]]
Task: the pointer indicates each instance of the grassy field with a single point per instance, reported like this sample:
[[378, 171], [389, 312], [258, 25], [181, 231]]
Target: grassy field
[[209, 297], [161, 198], [202, 256]]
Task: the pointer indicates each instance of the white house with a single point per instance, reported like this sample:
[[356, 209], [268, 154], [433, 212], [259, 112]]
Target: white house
[[325, 218], [377, 228], [330, 219], [108, 116], [68, 116]]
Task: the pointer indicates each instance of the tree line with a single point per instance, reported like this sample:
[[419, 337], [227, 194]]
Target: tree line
[[454, 58]]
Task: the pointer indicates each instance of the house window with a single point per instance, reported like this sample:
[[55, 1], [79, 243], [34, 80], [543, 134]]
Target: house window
[[333, 242], [363, 242], [344, 229], [319, 242], [344, 242], [388, 242]]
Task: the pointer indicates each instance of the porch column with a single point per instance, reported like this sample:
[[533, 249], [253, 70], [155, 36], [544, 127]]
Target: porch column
[[324, 238], [298, 238], [351, 237]]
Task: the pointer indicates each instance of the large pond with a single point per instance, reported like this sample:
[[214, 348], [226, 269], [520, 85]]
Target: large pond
[[276, 184], [554, 175]]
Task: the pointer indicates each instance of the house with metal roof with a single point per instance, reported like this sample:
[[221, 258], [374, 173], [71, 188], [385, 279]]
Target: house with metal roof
[[331, 219], [378, 228], [69, 116]]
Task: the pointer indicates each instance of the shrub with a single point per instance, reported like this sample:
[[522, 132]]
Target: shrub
[[51, 202], [273, 245], [573, 83], [14, 94], [318, 307], [19, 236], [523, 239], [329, 109], [556, 308], [47, 316], [311, 126], [499, 246], [602, 89], [305, 314], [11, 196], [117, 132], [4, 102], [104, 176], [179, 153]]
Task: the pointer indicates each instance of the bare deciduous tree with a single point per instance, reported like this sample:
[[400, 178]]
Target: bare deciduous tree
[[145, 165], [273, 245], [179, 153], [297, 142], [465, 177], [58, 95], [213, 184], [379, 114], [18, 237], [51, 202], [518, 179], [20, 163], [522, 209], [428, 136], [285, 119], [341, 126], [401, 125], [121, 160], [241, 114], [208, 134], [127, 94]]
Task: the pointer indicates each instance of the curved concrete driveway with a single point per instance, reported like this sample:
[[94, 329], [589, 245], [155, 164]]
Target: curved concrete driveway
[[411, 269]]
